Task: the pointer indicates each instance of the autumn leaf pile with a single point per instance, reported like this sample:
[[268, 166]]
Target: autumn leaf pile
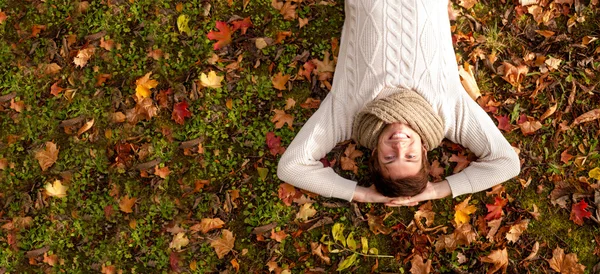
[[143, 136]]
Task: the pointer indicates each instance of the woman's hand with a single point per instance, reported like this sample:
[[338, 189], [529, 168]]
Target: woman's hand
[[369, 195], [432, 191]]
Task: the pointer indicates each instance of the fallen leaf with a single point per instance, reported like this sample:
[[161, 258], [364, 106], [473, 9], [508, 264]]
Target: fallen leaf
[[36, 29], [418, 266], [223, 36], [495, 210], [126, 203], [180, 112], [17, 106], [56, 189], [143, 110], [311, 103], [279, 81], [281, 36], [143, 86], [47, 157], [179, 241], [587, 117], [208, 224], [579, 212], [161, 172], [565, 157], [467, 4], [288, 10], [3, 163], [461, 161], [278, 236], [83, 56], [463, 210], [87, 126], [565, 264], [467, 79], [306, 211], [324, 69], [499, 259], [242, 25], [504, 123], [530, 127], [107, 44], [535, 213], [516, 230], [235, 264], [51, 260], [533, 253], [2, 17], [287, 193], [280, 118], [425, 211], [317, 249], [494, 225], [224, 244], [289, 103], [546, 33], [436, 171], [274, 144], [55, 89], [212, 80], [182, 24], [302, 22], [514, 75], [376, 224], [553, 63]]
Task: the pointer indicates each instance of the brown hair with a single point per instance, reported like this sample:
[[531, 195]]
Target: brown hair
[[407, 186]]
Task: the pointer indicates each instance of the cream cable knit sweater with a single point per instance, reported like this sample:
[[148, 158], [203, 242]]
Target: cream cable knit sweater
[[388, 43]]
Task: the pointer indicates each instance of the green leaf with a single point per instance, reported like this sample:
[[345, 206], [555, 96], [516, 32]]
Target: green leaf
[[365, 245], [351, 242], [374, 251], [594, 173], [348, 262], [338, 233], [182, 24], [262, 172]]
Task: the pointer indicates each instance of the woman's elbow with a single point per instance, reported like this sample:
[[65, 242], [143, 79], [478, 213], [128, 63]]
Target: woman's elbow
[[514, 167]]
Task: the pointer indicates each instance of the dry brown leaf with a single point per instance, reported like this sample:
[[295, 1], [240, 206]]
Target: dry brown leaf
[[587, 117], [280, 118], [514, 75], [317, 249], [302, 22], [565, 264], [530, 127], [418, 266], [288, 10], [289, 103], [425, 211], [161, 172], [279, 81], [306, 211], [467, 79], [17, 106], [516, 230], [51, 260], [376, 224], [467, 4], [279, 235], [549, 112], [499, 259], [545, 33], [126, 204], [89, 124], [47, 157], [533, 253], [83, 56], [494, 225], [117, 117], [107, 44], [3, 163], [143, 110], [208, 224], [224, 244], [179, 241]]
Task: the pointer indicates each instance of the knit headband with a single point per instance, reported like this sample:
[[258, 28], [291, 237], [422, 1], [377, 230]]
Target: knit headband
[[404, 106]]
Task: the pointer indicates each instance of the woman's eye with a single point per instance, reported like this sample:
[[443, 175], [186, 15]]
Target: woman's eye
[[410, 156], [388, 158]]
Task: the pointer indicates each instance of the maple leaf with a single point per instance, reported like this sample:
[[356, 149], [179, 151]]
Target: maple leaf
[[463, 210], [180, 112], [83, 56], [565, 157], [224, 244], [565, 264], [324, 68], [55, 89], [347, 161], [161, 172], [425, 211], [579, 212], [504, 123], [461, 161], [107, 44], [56, 189], [287, 193], [288, 10], [212, 80], [174, 262], [143, 86], [306, 211], [376, 224], [274, 144], [144, 109], [514, 75], [36, 29], [289, 103], [278, 236], [302, 22], [495, 209], [279, 81], [223, 36], [418, 266], [51, 260], [126, 203], [317, 249], [516, 230], [47, 157], [310, 103], [179, 241], [242, 25], [499, 259], [2, 17], [280, 118], [208, 224], [436, 171]]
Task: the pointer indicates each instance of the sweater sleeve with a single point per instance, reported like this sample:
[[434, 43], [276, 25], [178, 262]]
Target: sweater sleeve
[[300, 165], [497, 161]]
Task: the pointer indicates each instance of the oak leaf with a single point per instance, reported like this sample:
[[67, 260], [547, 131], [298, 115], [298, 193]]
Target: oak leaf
[[208, 224], [180, 112], [126, 203], [579, 212], [143, 86], [56, 189], [223, 36], [279, 81], [179, 241], [212, 80], [516, 230], [565, 264], [418, 266], [83, 56], [499, 259], [306, 211], [495, 209], [280, 118], [463, 210], [47, 157]]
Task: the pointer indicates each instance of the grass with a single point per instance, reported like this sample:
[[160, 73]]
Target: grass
[[87, 231]]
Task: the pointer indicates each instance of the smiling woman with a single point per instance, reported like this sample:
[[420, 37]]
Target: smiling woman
[[397, 91]]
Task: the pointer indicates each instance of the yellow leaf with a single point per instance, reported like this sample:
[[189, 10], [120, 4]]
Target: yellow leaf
[[179, 241], [126, 203], [224, 244], [182, 24], [208, 224], [463, 210], [212, 80], [594, 173], [56, 189], [143, 86], [306, 211], [467, 79], [83, 56]]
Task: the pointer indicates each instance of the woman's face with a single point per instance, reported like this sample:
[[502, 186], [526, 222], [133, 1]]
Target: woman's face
[[399, 151]]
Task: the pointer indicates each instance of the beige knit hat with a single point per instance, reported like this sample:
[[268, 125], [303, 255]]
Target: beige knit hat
[[405, 106]]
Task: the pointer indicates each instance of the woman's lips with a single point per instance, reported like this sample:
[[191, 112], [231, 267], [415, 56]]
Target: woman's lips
[[399, 136]]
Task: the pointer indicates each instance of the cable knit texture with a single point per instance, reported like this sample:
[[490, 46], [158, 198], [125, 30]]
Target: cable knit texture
[[407, 44], [405, 106]]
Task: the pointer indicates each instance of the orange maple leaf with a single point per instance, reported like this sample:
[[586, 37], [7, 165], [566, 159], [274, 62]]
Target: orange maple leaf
[[126, 203], [2, 17], [495, 210], [223, 36], [461, 162], [279, 81], [47, 157], [280, 118]]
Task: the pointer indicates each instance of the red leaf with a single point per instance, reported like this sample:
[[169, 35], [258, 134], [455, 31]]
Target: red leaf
[[223, 36], [242, 25], [274, 144], [503, 122], [565, 157], [495, 210], [325, 162], [578, 212], [287, 193], [174, 261], [55, 89], [180, 112]]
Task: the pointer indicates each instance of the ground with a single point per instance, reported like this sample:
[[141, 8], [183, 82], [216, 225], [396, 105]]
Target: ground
[[143, 136]]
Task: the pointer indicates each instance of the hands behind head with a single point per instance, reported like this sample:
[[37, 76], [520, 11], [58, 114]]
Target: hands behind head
[[432, 191]]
